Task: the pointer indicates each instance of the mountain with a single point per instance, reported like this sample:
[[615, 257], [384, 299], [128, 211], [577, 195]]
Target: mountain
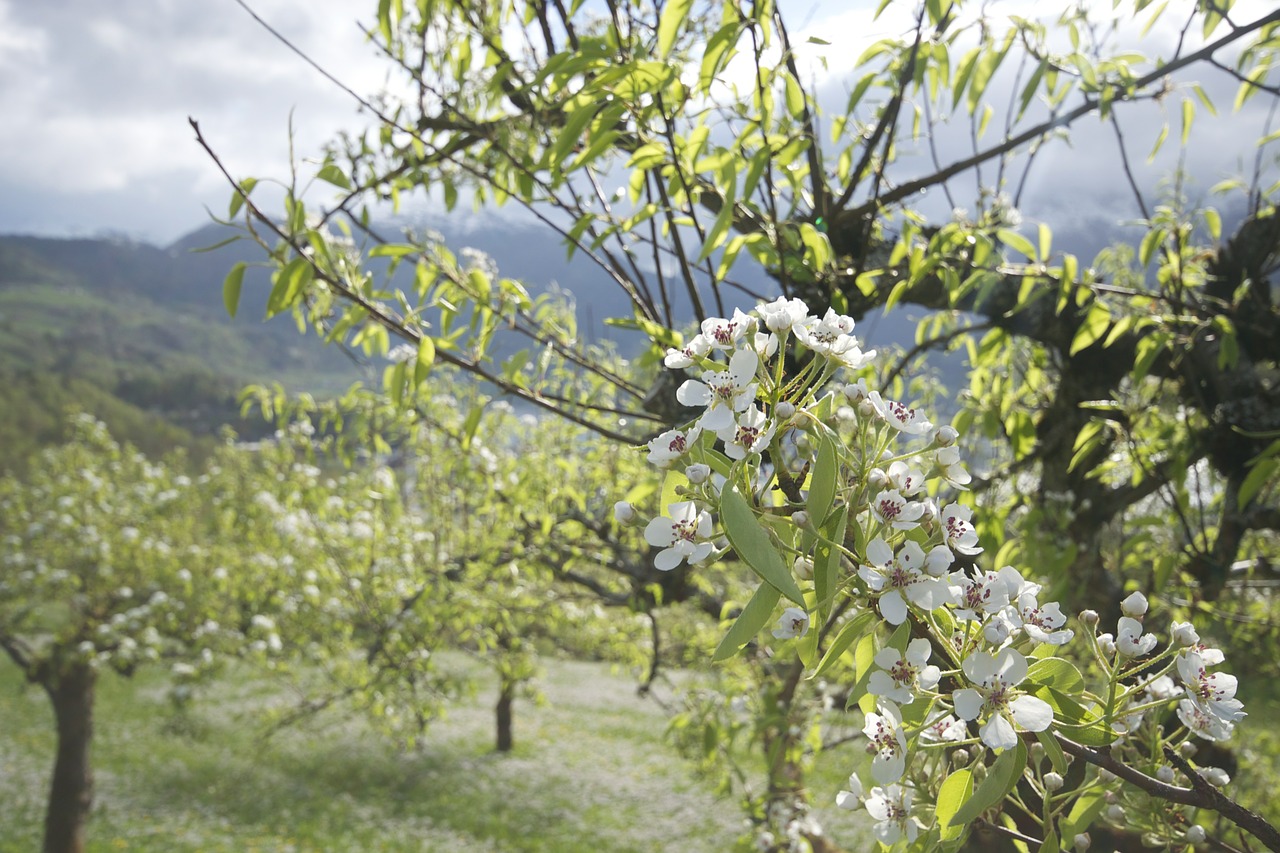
[[138, 336]]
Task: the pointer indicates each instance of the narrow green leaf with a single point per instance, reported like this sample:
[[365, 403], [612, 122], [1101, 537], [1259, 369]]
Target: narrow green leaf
[[749, 622], [1058, 673], [752, 544], [1017, 242], [426, 357], [1054, 750], [1094, 326], [1160, 138], [231, 286], [854, 629], [1261, 472], [674, 14], [1188, 117], [826, 560]]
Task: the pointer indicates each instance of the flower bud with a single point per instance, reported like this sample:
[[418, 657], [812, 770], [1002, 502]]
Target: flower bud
[[1081, 842], [800, 518], [1215, 776], [1135, 605], [1195, 834], [624, 512], [1184, 634], [878, 479], [1115, 813], [804, 444], [960, 758], [996, 631], [1089, 617], [865, 409], [1037, 752], [784, 410], [1105, 775], [1053, 782], [1165, 774], [855, 392], [1107, 645], [698, 473], [1188, 749], [945, 436], [803, 568]]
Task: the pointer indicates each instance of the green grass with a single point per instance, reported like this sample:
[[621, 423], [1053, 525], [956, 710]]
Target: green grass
[[590, 773]]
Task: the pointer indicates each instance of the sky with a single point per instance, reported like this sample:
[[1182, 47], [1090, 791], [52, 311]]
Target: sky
[[95, 98]]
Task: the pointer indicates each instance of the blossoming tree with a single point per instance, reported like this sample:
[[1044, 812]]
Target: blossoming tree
[[972, 714]]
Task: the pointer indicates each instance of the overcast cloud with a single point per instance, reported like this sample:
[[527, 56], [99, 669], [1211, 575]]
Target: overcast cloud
[[95, 98]]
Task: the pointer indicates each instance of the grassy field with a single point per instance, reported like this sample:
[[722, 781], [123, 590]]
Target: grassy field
[[591, 772]]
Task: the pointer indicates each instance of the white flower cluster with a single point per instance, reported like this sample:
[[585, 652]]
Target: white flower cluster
[[762, 423]]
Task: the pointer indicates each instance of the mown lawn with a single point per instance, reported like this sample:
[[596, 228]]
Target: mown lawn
[[591, 772]]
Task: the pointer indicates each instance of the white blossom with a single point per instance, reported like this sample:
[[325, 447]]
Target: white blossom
[[671, 445], [1214, 692], [682, 536], [886, 742], [891, 508], [891, 807], [901, 417], [898, 579], [722, 392], [958, 530], [994, 694], [698, 347], [902, 674], [1130, 641], [750, 433], [792, 624]]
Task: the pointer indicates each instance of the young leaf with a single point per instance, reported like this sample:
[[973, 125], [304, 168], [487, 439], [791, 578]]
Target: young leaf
[[231, 288], [675, 13], [954, 793], [749, 622], [753, 546], [1001, 777]]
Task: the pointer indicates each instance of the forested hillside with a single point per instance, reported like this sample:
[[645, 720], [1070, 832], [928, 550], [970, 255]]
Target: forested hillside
[[138, 336]]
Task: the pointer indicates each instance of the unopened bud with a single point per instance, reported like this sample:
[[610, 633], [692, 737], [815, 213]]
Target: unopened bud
[[855, 393], [698, 473], [804, 444], [1081, 842], [1195, 834], [1135, 605], [803, 567], [801, 518], [945, 436], [624, 512], [1188, 749], [1115, 813], [1107, 645], [865, 409], [960, 757], [1165, 774], [784, 410], [1184, 634], [996, 631], [1053, 782], [1037, 752], [1089, 617], [1215, 776], [878, 478], [1105, 775]]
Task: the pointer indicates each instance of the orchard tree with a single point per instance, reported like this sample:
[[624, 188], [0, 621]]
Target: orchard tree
[[1129, 402], [105, 571]]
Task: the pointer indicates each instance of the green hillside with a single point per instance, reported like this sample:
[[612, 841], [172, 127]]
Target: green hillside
[[137, 335]]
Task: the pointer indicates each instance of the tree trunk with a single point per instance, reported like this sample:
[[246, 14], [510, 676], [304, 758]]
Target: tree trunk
[[506, 698], [71, 793]]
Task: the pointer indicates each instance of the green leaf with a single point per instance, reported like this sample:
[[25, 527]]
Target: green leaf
[[1054, 750], [426, 357], [1261, 472], [1094, 326], [674, 14], [752, 544], [1001, 777], [854, 629], [1188, 117], [826, 560], [289, 285], [330, 173], [1058, 673], [749, 622], [571, 133], [1160, 138], [1017, 242], [231, 288], [240, 195], [822, 482], [954, 793]]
